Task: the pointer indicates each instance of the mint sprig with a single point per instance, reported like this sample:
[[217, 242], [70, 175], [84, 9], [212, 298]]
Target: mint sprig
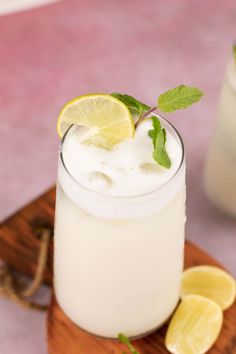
[[131, 102], [179, 97], [158, 136], [125, 340]]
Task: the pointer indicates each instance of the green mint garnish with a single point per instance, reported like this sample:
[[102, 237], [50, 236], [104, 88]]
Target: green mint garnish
[[131, 103], [178, 98], [234, 53], [158, 136], [125, 340]]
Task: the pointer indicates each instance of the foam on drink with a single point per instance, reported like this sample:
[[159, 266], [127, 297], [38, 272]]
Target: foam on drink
[[127, 169]]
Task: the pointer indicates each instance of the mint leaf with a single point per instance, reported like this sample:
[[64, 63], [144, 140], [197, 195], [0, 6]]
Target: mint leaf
[[125, 340], [131, 102], [158, 136], [178, 98]]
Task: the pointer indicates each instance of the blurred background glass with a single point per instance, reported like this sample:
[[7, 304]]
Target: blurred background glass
[[220, 176], [10, 6]]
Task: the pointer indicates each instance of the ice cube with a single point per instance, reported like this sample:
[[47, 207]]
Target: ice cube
[[150, 168], [99, 180]]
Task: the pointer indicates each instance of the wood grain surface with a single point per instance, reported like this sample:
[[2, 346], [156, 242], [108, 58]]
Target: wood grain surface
[[19, 244], [64, 337]]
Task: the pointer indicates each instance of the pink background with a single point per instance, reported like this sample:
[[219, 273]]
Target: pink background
[[51, 54]]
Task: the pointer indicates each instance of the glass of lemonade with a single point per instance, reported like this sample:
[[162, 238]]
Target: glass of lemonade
[[119, 233], [220, 172]]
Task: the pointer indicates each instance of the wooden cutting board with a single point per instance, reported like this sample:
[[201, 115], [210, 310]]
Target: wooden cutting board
[[64, 337], [19, 246]]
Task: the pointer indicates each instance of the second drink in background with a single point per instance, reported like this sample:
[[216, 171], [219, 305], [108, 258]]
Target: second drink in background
[[220, 173]]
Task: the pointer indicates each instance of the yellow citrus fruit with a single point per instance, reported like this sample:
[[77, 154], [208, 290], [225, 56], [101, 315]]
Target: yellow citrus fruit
[[108, 120], [194, 326], [211, 282]]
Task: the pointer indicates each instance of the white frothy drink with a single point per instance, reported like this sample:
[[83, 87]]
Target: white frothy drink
[[220, 176], [119, 233]]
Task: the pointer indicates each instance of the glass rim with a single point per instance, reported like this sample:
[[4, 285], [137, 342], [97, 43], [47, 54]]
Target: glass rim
[[123, 197]]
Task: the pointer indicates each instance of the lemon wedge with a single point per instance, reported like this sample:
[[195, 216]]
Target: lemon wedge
[[211, 282], [194, 326], [108, 120]]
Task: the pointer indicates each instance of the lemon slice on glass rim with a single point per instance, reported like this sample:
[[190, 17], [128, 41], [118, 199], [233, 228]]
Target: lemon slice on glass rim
[[108, 120]]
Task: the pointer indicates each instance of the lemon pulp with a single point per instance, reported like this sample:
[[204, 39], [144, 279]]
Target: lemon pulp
[[108, 120]]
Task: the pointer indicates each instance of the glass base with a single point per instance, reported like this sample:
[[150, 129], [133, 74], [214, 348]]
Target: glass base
[[138, 336]]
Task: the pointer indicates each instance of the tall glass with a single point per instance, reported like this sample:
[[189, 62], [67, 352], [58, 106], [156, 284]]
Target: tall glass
[[220, 173], [118, 260]]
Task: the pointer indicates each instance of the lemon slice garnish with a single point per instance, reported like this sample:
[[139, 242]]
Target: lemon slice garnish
[[108, 120]]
